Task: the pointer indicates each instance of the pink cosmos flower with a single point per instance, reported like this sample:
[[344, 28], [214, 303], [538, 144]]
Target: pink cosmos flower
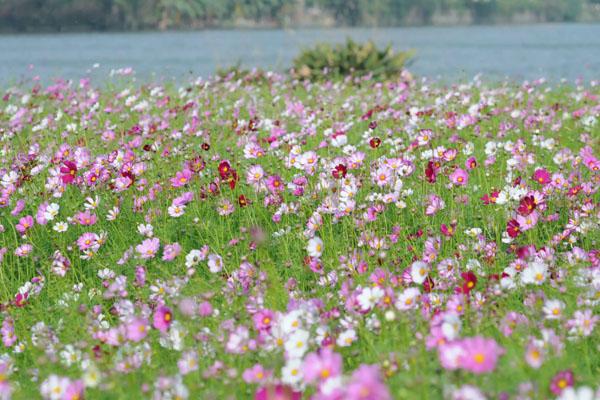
[[263, 320], [87, 240], [181, 178], [450, 355], [480, 355], [471, 163], [163, 317], [434, 204], [459, 177], [86, 218], [24, 224], [8, 332], [40, 216], [366, 384], [275, 184], [20, 206], [23, 250], [148, 248], [255, 374], [171, 251], [534, 354], [137, 329], [322, 365], [527, 222], [74, 391]]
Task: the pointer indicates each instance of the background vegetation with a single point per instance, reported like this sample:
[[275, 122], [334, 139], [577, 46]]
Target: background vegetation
[[102, 15]]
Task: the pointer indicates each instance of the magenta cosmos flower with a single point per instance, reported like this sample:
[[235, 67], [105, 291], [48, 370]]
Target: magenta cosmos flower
[[459, 177], [148, 248], [561, 381], [163, 317], [275, 184], [480, 355], [277, 392], [68, 171], [541, 176]]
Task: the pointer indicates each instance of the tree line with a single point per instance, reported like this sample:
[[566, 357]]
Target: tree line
[[131, 15]]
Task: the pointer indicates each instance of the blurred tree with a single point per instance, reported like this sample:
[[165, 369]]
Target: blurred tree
[[61, 15]]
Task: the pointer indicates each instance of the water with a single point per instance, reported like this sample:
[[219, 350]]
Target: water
[[520, 52]]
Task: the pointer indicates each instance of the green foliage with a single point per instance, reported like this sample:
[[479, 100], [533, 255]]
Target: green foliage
[[82, 15], [326, 61]]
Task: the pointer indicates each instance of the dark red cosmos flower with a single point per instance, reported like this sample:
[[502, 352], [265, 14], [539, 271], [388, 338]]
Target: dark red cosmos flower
[[469, 281], [197, 164], [224, 169], [68, 171], [243, 201], [130, 175], [431, 172], [517, 181], [375, 142], [574, 191], [513, 228], [491, 198], [339, 171], [367, 115], [428, 284], [527, 205], [205, 146], [232, 178]]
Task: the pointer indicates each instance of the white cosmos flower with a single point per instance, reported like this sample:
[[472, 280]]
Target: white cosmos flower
[[407, 299], [291, 321], [54, 387], [60, 227], [215, 263], [297, 344], [581, 393], [451, 326], [51, 211], [176, 211], [553, 309], [315, 247], [146, 230], [193, 258], [369, 297], [535, 273], [346, 338], [419, 271], [291, 373]]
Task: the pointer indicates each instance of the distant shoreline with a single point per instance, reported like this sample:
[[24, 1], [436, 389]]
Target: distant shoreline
[[267, 27]]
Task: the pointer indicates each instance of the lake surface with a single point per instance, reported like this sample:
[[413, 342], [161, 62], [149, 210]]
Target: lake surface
[[553, 51]]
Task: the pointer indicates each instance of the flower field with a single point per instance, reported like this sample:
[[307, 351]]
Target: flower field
[[263, 237]]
